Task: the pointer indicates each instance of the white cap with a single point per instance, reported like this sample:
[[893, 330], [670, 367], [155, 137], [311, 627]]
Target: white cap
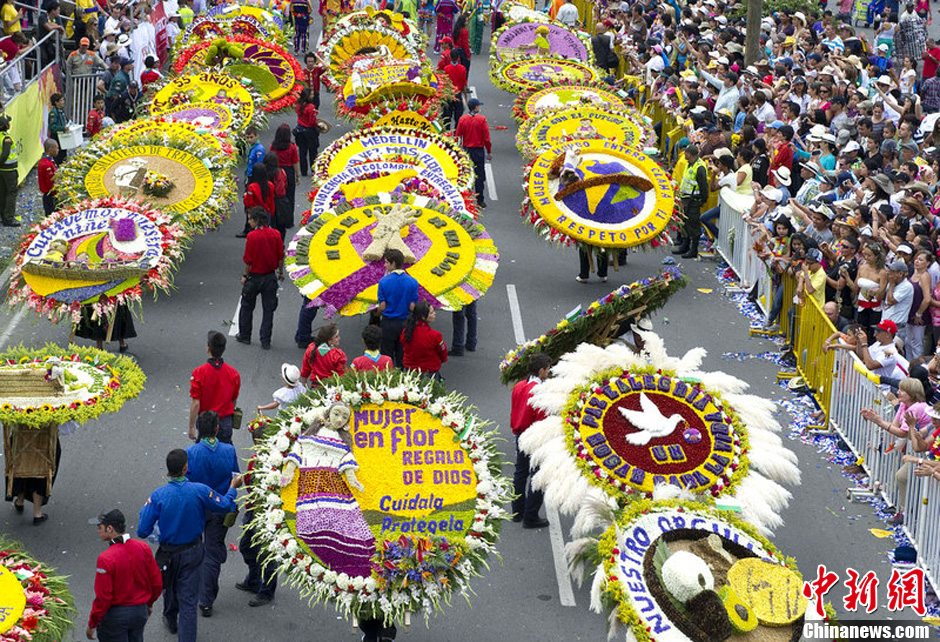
[[851, 146], [772, 193], [721, 20]]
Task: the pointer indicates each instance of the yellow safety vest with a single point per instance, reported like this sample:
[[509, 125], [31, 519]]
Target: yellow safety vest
[[689, 186], [12, 159]]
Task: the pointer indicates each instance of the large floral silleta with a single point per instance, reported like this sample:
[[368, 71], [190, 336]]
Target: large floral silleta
[[35, 602], [623, 425], [381, 494]]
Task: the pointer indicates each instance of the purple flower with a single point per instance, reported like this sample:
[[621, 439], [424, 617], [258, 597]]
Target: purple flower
[[125, 230]]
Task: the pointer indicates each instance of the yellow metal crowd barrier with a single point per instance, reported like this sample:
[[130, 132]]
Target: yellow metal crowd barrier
[[813, 362]]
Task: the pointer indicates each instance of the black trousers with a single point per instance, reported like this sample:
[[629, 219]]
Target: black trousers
[[585, 264], [123, 624], [374, 630], [8, 188], [261, 582], [478, 156], [391, 339], [453, 111], [527, 503], [215, 555], [48, 203], [308, 144], [693, 222], [266, 286]]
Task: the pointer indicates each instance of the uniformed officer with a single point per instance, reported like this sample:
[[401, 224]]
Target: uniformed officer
[[180, 509], [213, 463], [8, 174]]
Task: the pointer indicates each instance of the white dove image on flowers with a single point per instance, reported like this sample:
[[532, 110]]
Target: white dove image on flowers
[[649, 421]]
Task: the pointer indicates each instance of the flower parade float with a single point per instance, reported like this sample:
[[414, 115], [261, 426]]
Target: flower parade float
[[429, 150], [622, 425], [192, 90], [101, 253], [678, 571], [532, 102], [602, 322], [336, 258], [43, 388], [536, 37], [598, 194], [212, 27], [266, 66], [521, 74], [231, 10], [386, 18], [35, 602], [376, 86], [165, 167], [548, 129], [404, 504], [354, 40]]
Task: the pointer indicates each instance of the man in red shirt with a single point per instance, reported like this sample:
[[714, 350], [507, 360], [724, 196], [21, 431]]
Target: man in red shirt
[[525, 508], [127, 583], [783, 155], [931, 59], [95, 116], [474, 134], [264, 254], [214, 386], [312, 72], [46, 171], [458, 76]]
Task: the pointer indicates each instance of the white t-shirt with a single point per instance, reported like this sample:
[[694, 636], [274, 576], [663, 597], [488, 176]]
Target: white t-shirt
[[889, 358], [285, 395], [903, 294]]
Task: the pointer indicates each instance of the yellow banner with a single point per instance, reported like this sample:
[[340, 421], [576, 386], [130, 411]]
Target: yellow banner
[[26, 129]]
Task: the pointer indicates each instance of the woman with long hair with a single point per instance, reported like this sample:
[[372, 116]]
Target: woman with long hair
[[920, 307], [445, 10], [869, 285], [323, 357], [424, 347], [307, 133], [283, 217], [461, 36], [259, 192], [289, 159]]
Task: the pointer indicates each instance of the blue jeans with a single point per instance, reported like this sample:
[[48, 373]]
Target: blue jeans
[[123, 624], [777, 304], [465, 328], [181, 574], [708, 220], [263, 583], [478, 157], [214, 538], [304, 333]]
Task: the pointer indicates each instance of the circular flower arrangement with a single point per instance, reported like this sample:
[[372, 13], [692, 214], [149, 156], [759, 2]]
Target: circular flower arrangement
[[349, 41], [406, 27], [599, 194], [268, 67], [583, 122], [532, 102], [675, 571], [601, 323], [517, 12], [336, 258], [516, 76], [625, 424], [536, 37], [271, 20], [212, 87], [431, 151], [365, 179], [56, 385], [404, 113], [101, 253], [420, 479], [204, 114], [37, 601], [217, 139], [201, 186], [396, 84], [209, 28]]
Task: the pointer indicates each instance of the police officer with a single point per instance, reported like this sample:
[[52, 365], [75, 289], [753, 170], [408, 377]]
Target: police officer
[[180, 508], [8, 174], [693, 191], [213, 463]]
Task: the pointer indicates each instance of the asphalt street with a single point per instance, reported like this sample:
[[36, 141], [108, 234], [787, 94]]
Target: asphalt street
[[117, 461]]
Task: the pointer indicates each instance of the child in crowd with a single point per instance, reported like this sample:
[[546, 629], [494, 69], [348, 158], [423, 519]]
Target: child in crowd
[[323, 357], [290, 392], [372, 359]]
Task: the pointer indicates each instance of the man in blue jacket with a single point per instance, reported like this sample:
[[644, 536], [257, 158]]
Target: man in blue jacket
[[180, 509], [213, 463]]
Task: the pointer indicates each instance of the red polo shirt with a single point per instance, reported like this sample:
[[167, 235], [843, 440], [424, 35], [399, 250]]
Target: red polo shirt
[[458, 76], [316, 366], [264, 250], [46, 172], [474, 131], [426, 351], [216, 384], [126, 575], [521, 413]]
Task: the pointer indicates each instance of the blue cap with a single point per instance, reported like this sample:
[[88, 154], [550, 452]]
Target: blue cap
[[843, 177], [473, 102], [814, 254], [777, 124]]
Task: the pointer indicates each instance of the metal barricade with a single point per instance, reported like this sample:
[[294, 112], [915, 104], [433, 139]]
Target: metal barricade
[[80, 91], [28, 65], [815, 365]]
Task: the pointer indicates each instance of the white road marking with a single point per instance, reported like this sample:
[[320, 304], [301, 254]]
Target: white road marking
[[15, 321], [233, 329], [490, 183], [473, 91], [565, 592]]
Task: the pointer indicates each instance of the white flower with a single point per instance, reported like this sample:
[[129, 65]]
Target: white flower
[[282, 443], [291, 547], [329, 577], [342, 581], [358, 583]]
